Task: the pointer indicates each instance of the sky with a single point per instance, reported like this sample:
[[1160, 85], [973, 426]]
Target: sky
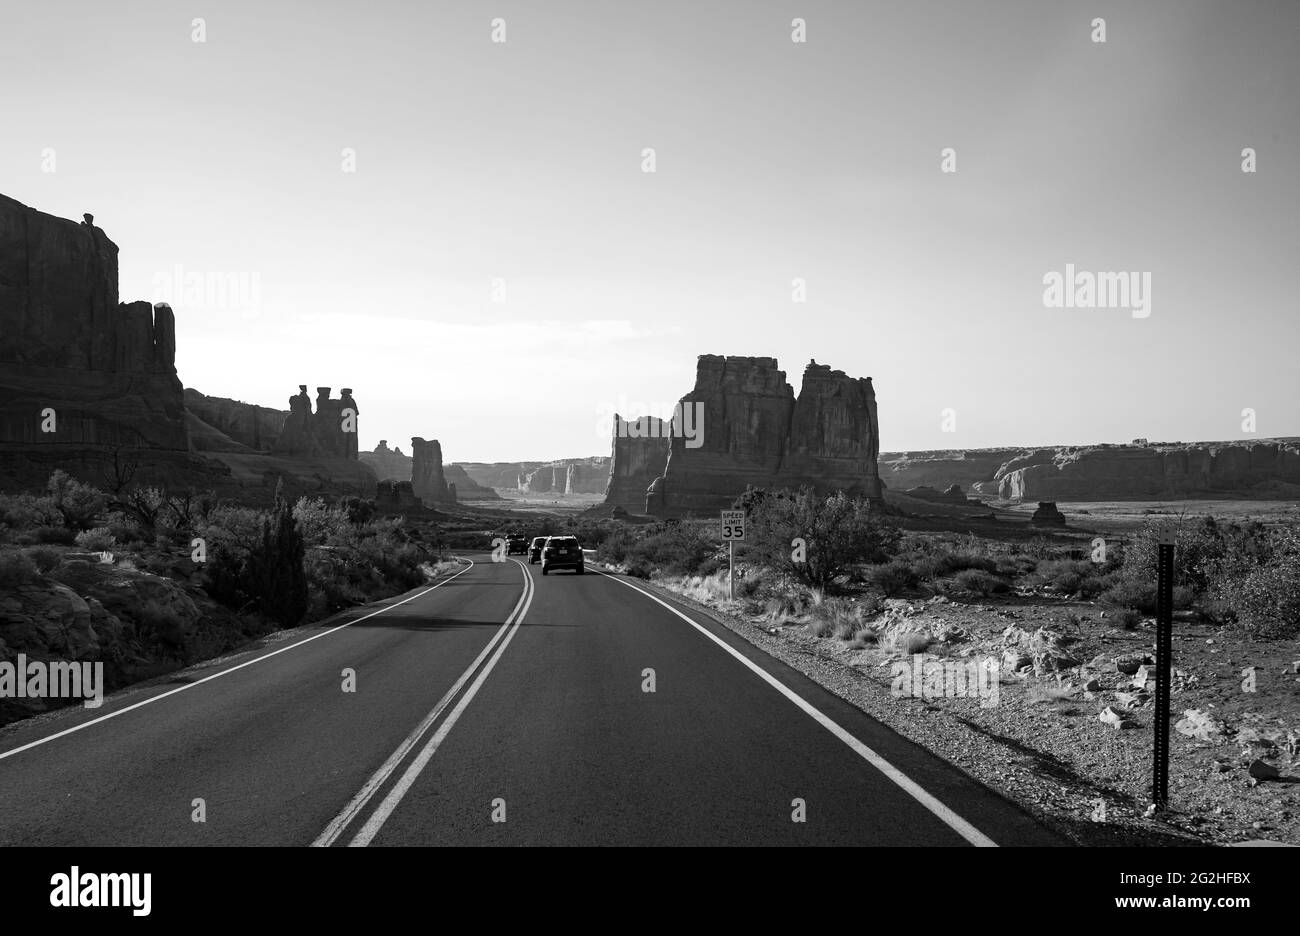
[[462, 230]]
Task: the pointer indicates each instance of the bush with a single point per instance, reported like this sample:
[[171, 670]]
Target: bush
[[892, 578], [25, 512], [45, 558], [679, 548], [1130, 619], [98, 539], [78, 504], [979, 582], [837, 531], [1264, 600], [16, 568], [60, 536], [265, 572]]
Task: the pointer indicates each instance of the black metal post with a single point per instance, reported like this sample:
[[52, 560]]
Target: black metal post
[[1164, 651]]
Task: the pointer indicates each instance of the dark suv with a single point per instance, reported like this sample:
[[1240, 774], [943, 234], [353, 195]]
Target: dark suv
[[535, 550], [516, 544], [562, 552]]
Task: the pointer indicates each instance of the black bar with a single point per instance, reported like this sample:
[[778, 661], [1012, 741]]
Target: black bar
[[1164, 650]]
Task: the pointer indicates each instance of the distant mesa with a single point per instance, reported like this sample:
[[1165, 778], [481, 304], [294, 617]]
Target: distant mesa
[[1266, 467]]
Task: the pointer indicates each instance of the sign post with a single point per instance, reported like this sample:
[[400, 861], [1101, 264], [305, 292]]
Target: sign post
[[733, 528], [1164, 651]]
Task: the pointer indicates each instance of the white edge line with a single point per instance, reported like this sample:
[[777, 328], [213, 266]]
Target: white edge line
[[380, 776], [199, 682], [399, 790], [946, 815]]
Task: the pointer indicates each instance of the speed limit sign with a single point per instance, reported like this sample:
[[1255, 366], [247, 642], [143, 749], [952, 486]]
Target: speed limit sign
[[733, 524]]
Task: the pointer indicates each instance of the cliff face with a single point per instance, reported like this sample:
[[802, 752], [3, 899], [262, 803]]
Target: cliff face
[[1122, 471], [467, 489], [752, 430], [639, 454], [389, 464], [252, 426], [938, 469], [567, 476], [427, 479], [107, 369]]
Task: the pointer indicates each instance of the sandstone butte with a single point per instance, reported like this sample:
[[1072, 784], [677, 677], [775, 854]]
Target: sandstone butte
[[754, 431]]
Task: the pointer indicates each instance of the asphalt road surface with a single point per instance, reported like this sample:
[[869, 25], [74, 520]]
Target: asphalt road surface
[[499, 707]]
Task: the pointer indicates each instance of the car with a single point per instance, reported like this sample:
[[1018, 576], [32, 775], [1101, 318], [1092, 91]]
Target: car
[[535, 550], [562, 552], [516, 544]]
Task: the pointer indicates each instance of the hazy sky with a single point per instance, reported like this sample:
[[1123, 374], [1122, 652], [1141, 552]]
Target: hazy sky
[[774, 160]]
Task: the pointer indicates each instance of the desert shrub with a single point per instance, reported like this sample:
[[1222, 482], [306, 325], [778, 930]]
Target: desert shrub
[[319, 521], [61, 536], [680, 548], [146, 506], [26, 512], [980, 582], [263, 573], [838, 532], [892, 578], [911, 642], [45, 558], [820, 627], [98, 539], [1261, 593], [16, 568], [1129, 619], [615, 547], [1072, 576], [78, 504], [1204, 551], [155, 624]]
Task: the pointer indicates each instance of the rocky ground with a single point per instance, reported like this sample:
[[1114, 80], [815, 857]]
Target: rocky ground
[[1070, 736]]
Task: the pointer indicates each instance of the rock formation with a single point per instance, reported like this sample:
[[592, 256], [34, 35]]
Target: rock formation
[[567, 476], [1120, 471], [1100, 472], [427, 478], [754, 431], [396, 497], [104, 369], [564, 476], [1047, 515], [939, 469], [328, 432], [639, 454], [466, 488], [389, 464], [255, 428]]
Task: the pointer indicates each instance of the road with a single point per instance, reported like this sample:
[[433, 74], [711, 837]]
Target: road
[[499, 707]]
